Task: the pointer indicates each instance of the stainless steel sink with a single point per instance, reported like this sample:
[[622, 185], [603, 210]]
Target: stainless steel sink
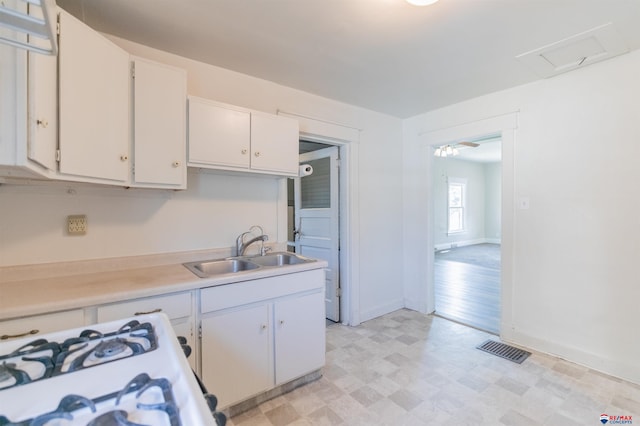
[[280, 259], [234, 265], [208, 268]]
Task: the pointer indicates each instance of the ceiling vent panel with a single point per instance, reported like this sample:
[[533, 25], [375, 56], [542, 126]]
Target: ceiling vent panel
[[577, 51]]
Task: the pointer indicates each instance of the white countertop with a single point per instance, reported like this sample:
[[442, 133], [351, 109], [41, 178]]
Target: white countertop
[[70, 286]]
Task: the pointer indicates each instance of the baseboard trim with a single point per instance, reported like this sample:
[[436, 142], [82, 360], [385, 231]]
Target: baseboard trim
[[626, 371], [416, 305], [251, 403], [381, 310], [454, 244]]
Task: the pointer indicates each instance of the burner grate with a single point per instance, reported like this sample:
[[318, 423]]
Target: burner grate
[[504, 351]]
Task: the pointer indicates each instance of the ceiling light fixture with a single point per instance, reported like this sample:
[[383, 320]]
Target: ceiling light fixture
[[421, 2], [446, 151]]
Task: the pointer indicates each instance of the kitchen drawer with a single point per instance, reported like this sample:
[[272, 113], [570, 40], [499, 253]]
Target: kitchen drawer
[[174, 306], [40, 324]]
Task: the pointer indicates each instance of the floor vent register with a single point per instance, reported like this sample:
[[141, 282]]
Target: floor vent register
[[504, 351]]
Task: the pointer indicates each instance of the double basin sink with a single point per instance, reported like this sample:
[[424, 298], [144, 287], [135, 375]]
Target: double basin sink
[[234, 265]]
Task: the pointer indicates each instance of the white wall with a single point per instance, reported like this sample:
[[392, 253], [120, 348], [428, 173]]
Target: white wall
[[575, 289], [492, 202], [215, 208]]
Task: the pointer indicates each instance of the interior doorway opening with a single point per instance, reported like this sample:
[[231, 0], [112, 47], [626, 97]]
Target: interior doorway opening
[[313, 215], [467, 200]]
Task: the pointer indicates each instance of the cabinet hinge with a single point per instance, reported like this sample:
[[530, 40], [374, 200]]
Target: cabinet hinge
[[339, 292], [58, 27], [58, 155], [133, 70], [338, 163], [200, 331]]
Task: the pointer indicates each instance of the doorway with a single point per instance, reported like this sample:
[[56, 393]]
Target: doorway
[[467, 232], [313, 216]]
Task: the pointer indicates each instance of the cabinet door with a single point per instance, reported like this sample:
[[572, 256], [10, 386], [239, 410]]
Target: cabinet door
[[218, 136], [160, 102], [42, 139], [274, 144], [94, 104], [299, 336], [236, 354]]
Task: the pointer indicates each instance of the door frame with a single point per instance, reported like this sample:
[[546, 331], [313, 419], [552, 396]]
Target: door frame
[[442, 206], [506, 126], [347, 140]]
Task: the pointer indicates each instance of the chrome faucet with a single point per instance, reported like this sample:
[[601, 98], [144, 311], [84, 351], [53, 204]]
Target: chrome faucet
[[241, 245]]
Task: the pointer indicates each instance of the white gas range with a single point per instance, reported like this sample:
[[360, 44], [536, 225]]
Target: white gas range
[[128, 372]]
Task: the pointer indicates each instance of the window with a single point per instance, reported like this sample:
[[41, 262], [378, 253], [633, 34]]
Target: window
[[456, 205]]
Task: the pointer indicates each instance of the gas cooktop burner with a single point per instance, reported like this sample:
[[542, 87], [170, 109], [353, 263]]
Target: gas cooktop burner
[[143, 401], [41, 359], [28, 363], [81, 377]]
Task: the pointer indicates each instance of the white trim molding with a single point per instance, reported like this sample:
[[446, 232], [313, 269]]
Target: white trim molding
[[505, 126], [347, 138]]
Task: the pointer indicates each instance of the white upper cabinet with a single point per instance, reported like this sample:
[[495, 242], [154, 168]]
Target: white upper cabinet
[[92, 114], [219, 135], [42, 109], [227, 137], [274, 143], [28, 101], [159, 121], [94, 133]]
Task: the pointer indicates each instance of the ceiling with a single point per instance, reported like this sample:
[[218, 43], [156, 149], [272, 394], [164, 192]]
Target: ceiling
[[383, 55]]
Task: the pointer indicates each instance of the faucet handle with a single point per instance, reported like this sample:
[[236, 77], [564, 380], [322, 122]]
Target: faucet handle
[[264, 250]]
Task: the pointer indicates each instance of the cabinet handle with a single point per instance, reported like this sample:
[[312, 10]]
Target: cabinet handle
[[257, 154], [175, 164], [124, 158], [14, 336], [263, 327], [244, 151], [42, 122], [149, 312], [281, 322]]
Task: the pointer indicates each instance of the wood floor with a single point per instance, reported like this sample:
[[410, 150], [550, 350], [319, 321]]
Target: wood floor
[[468, 291]]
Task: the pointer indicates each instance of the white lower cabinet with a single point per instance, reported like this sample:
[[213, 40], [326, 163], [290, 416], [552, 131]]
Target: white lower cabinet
[[299, 336], [236, 348], [259, 334], [178, 307], [41, 324]]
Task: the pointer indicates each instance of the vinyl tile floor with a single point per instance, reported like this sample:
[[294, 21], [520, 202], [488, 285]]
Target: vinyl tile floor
[[407, 368]]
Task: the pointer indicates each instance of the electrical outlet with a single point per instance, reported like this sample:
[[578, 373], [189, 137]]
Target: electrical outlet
[[77, 224]]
